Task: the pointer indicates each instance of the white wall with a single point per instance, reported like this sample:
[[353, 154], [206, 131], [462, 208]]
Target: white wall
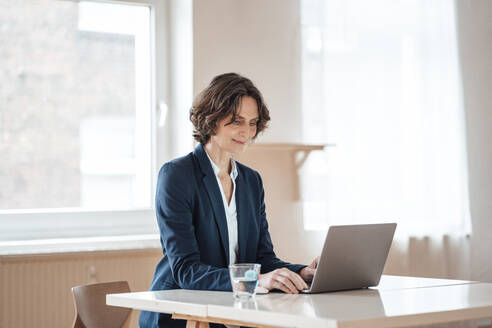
[[259, 39], [475, 43]]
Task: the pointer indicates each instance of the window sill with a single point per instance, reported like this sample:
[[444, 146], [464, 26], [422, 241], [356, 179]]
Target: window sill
[[87, 244]]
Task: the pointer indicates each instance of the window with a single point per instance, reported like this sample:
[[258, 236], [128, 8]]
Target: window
[[76, 118], [381, 80], [78, 125]]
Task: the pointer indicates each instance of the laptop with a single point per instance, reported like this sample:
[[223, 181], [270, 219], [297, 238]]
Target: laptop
[[353, 257]]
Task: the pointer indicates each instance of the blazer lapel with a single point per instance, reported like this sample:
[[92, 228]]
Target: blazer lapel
[[210, 182], [242, 217]]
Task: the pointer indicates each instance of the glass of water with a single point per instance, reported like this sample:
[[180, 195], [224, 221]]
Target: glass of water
[[244, 279]]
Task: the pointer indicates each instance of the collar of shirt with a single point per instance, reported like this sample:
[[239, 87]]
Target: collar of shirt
[[217, 169]]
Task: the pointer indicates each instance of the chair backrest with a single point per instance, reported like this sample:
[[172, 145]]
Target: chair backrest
[[91, 309]]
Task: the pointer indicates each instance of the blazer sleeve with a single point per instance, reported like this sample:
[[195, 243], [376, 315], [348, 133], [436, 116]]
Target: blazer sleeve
[[174, 206], [265, 254]]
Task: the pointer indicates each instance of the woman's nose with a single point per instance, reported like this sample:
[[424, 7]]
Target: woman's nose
[[244, 131]]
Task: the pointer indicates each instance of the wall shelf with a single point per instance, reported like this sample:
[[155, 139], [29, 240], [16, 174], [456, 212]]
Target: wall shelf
[[295, 148]]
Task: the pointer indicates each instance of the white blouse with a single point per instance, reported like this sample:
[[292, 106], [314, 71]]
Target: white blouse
[[230, 209]]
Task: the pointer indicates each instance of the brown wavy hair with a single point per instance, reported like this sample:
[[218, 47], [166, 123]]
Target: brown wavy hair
[[220, 99]]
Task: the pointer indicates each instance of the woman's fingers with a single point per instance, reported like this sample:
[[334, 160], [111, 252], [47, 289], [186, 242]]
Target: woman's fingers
[[282, 287], [309, 273], [283, 279], [310, 270], [287, 283], [314, 264], [295, 278]]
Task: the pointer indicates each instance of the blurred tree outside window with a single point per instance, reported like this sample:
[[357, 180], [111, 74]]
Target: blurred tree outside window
[[75, 105]]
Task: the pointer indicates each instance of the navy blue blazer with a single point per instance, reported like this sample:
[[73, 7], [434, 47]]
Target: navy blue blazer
[[193, 228]]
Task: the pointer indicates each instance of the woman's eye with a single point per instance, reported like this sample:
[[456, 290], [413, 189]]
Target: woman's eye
[[252, 124]]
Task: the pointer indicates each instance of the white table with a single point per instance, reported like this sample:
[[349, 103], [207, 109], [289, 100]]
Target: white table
[[395, 302]]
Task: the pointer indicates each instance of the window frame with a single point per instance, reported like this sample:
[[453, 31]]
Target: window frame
[[33, 224]]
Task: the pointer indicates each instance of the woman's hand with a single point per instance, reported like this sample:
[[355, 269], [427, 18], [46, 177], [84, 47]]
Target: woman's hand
[[307, 273], [283, 279]]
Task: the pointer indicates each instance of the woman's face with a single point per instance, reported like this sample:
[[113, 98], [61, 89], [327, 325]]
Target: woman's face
[[234, 137]]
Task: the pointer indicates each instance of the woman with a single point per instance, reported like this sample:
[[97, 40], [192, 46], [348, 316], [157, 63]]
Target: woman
[[210, 209]]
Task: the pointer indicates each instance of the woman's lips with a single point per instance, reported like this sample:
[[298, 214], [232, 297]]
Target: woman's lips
[[239, 142]]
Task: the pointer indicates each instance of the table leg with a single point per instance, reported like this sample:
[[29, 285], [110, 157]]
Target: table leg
[[196, 324]]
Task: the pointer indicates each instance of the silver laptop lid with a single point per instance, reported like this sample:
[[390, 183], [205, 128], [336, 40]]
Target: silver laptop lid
[[353, 256]]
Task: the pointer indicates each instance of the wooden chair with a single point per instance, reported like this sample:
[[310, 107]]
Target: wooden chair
[[91, 309]]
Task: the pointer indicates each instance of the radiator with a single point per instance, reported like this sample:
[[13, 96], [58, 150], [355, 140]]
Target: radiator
[[36, 289]]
